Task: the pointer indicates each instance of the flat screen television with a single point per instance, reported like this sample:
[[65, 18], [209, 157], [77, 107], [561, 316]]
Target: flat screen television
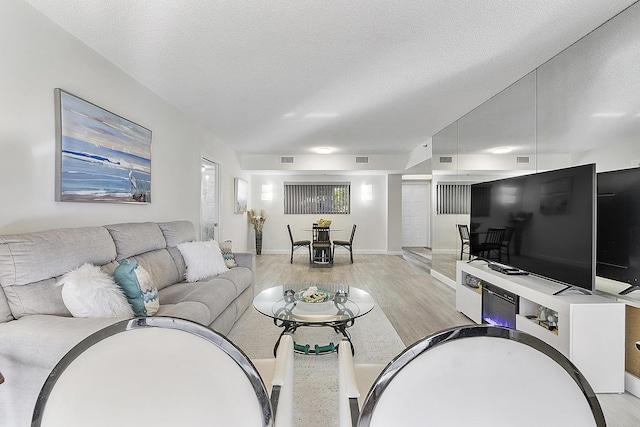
[[618, 236], [552, 216]]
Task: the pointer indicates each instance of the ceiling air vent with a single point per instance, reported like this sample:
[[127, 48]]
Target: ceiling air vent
[[286, 159], [362, 159], [522, 159], [447, 159]]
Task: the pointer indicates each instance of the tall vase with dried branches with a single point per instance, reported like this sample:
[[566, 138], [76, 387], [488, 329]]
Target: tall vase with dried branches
[[257, 219]]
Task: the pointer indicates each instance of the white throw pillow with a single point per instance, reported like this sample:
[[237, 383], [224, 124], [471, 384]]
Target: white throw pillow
[[203, 259], [90, 292]]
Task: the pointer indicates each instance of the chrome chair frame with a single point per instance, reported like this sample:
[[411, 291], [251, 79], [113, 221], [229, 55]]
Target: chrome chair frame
[[213, 337], [415, 350]]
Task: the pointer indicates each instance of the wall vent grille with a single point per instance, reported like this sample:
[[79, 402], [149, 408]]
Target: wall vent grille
[[362, 159], [286, 159], [522, 159], [447, 159]]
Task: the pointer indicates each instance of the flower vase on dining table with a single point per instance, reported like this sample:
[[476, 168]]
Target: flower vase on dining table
[[258, 242]]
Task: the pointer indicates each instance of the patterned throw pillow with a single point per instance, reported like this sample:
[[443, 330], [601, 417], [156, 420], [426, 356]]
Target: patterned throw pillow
[[227, 254], [90, 292], [135, 281]]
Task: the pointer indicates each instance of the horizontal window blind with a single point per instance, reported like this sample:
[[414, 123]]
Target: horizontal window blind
[[453, 198], [310, 198]]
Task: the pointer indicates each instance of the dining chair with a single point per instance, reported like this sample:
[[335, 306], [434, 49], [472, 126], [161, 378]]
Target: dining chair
[[164, 371], [297, 244], [505, 247], [478, 375], [465, 240], [347, 244], [321, 246], [492, 246]]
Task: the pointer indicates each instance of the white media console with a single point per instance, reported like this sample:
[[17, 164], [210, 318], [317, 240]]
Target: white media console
[[590, 328]]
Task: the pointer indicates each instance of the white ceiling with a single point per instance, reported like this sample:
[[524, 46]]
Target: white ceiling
[[361, 76]]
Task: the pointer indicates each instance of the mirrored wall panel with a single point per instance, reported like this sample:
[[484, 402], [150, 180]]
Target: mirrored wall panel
[[582, 106]]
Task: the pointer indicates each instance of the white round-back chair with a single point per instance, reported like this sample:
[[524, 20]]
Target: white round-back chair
[[471, 376], [155, 371]]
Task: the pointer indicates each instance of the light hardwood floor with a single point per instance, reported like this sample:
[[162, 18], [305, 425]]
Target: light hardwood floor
[[415, 303]]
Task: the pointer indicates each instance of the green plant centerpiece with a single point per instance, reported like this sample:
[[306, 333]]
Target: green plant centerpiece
[[257, 220]]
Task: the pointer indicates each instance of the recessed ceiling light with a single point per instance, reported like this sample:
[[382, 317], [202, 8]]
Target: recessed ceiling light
[[502, 150], [324, 150]]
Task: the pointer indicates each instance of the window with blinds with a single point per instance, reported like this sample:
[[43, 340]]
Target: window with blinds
[[453, 198], [314, 198]]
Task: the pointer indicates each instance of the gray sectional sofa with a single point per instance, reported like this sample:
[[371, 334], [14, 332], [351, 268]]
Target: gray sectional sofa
[[36, 329]]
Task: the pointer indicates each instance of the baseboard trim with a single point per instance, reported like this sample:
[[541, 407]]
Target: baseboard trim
[[444, 279], [632, 384]]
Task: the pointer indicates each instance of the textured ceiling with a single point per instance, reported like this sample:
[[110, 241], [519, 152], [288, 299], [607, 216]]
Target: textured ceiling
[[361, 76]]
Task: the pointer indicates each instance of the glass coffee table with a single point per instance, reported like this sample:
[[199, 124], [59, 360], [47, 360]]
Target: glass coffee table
[[316, 305]]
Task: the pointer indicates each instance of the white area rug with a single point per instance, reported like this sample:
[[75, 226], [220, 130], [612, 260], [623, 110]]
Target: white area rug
[[316, 376]]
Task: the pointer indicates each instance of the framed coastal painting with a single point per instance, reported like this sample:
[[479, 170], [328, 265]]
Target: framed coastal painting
[[242, 194], [100, 156]]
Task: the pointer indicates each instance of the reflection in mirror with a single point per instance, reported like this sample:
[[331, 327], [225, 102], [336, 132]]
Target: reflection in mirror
[[506, 121], [444, 231], [589, 99], [582, 106]]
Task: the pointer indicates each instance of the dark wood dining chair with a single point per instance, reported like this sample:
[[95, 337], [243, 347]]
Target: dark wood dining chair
[[347, 244], [321, 245], [505, 247], [465, 240], [492, 246], [297, 244]]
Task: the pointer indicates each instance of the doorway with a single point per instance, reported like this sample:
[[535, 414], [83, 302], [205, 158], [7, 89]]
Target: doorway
[[209, 200], [416, 229]]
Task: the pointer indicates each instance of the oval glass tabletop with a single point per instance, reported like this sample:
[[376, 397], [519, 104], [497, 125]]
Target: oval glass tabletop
[[323, 304]]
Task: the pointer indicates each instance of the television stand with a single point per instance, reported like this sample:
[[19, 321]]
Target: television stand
[[588, 329]]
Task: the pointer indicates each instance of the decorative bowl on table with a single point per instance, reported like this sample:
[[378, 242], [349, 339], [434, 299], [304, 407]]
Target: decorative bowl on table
[[314, 295], [324, 222]]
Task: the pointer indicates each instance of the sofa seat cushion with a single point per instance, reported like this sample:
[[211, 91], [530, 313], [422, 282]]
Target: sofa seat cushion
[[215, 294], [187, 310], [241, 277]]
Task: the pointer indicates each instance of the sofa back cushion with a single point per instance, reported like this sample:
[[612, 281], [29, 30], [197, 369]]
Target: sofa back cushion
[[176, 232], [133, 238], [5, 310], [31, 262]]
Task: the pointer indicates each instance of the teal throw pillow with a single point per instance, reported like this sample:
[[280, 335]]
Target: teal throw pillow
[[227, 254], [136, 284]]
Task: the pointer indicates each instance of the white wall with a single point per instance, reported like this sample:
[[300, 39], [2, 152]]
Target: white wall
[[394, 221], [370, 216], [38, 56]]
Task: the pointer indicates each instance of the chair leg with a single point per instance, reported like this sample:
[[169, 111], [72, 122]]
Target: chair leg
[[291, 260], [351, 253], [310, 257]]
